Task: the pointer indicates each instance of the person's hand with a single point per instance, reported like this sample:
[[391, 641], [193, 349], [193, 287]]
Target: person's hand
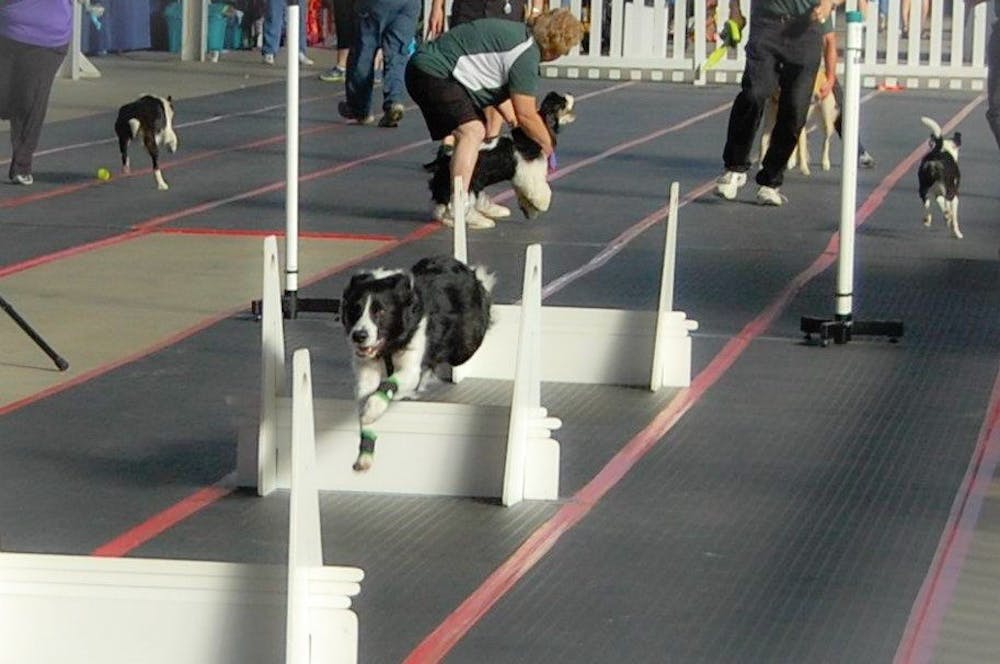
[[822, 11], [827, 86], [435, 22]]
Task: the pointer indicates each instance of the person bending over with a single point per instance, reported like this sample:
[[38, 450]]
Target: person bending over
[[480, 64]]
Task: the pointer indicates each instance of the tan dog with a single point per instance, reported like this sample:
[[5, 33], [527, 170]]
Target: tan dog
[[828, 110]]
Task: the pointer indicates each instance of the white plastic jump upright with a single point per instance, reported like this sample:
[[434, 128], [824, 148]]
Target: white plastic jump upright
[[423, 447], [56, 608], [636, 348]]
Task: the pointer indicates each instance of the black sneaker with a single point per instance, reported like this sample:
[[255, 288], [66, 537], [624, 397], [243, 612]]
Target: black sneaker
[[347, 112], [392, 116]]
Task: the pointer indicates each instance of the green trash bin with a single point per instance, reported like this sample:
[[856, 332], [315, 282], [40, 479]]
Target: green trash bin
[[173, 13], [217, 21]]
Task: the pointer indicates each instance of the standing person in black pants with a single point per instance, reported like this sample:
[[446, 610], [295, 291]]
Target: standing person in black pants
[[993, 71], [784, 50]]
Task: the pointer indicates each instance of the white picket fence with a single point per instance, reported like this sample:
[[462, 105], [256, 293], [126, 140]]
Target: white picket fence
[[665, 40]]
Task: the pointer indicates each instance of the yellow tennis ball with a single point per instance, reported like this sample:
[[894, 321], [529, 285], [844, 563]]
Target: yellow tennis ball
[[103, 174]]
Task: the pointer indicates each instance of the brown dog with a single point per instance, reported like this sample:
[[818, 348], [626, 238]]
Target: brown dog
[[828, 113]]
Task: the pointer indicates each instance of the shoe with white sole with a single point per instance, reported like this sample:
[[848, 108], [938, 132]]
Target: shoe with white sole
[[305, 60], [866, 160], [487, 207], [26, 180], [729, 183], [473, 218], [770, 196], [269, 58]]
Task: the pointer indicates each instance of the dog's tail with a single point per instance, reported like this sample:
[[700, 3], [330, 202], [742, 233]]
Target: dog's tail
[[932, 125], [486, 278]]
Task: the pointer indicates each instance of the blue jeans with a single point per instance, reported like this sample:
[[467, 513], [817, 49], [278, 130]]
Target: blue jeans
[[274, 21], [390, 25]]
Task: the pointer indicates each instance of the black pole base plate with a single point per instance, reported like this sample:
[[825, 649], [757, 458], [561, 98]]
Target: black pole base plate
[[292, 305], [841, 330]]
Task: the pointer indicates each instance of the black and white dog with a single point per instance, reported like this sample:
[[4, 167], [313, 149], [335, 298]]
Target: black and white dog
[[938, 176], [152, 118], [402, 324], [516, 158]]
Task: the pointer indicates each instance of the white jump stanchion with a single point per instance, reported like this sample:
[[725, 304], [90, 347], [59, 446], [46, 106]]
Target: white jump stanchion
[[63, 608], [635, 348], [308, 579], [460, 240], [424, 447], [843, 326], [77, 65], [292, 153]]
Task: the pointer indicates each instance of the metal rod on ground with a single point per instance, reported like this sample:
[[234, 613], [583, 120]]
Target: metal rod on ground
[[843, 326], [23, 324]]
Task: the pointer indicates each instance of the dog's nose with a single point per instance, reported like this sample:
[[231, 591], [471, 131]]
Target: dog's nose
[[359, 336]]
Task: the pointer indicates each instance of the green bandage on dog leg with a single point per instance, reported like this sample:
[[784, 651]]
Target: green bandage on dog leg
[[387, 388], [368, 438]]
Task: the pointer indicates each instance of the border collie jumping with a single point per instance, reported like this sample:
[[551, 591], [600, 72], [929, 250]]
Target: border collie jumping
[[938, 176], [516, 158], [152, 118], [402, 325]]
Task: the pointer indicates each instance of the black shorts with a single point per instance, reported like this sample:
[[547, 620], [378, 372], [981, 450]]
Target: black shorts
[[444, 103], [463, 11]]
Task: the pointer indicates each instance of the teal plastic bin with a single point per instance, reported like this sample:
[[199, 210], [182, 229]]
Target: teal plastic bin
[[216, 26], [175, 26]]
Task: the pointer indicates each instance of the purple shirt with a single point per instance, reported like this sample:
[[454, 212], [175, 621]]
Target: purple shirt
[[46, 23]]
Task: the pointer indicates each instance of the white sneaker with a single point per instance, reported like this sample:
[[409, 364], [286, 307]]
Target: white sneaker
[[269, 58], [866, 160], [729, 184], [770, 196], [473, 218], [305, 60], [492, 210]]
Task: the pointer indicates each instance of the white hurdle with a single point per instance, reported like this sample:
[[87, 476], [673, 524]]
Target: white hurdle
[[424, 447], [635, 348], [62, 608]]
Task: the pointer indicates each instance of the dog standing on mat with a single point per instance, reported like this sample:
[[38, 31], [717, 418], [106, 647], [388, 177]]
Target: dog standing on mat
[[938, 176], [152, 118], [404, 324]]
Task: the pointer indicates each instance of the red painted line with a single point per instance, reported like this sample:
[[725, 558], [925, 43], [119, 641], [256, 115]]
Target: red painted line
[[436, 645], [938, 589], [66, 253], [161, 522], [318, 235]]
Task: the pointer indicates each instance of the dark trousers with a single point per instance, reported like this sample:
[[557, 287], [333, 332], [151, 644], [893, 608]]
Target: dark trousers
[[783, 53], [993, 82], [26, 75]]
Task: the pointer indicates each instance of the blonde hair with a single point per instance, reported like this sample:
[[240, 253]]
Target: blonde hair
[[557, 31]]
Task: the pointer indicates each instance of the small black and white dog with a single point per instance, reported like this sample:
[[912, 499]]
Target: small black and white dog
[[152, 118], [516, 158], [402, 325], [938, 176]]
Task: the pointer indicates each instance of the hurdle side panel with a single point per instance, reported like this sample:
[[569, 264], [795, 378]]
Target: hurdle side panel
[[423, 447], [56, 608]]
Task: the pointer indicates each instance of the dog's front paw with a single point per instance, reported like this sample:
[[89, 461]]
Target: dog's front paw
[[364, 461], [373, 408]]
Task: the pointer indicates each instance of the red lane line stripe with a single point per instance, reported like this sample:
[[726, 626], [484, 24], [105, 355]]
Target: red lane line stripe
[[67, 253], [161, 522], [456, 625], [264, 233], [922, 630]]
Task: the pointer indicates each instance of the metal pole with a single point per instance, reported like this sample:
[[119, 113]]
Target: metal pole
[[292, 154], [849, 182]]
